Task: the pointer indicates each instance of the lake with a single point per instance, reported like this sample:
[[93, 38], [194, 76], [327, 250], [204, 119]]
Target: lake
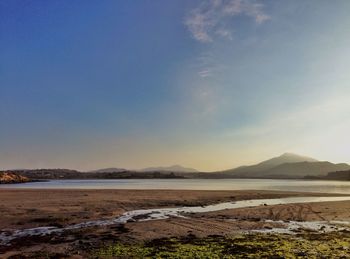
[[194, 184]]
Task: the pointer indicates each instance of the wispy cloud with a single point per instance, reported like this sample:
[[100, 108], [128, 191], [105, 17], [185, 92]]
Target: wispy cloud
[[211, 18], [225, 33], [199, 23], [204, 73]]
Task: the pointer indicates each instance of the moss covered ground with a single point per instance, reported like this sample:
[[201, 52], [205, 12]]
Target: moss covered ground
[[305, 245]]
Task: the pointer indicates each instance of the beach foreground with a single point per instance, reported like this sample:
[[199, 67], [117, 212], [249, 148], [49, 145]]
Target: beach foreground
[[245, 227]]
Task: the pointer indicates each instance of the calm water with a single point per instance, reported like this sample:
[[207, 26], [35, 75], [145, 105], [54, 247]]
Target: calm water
[[194, 184]]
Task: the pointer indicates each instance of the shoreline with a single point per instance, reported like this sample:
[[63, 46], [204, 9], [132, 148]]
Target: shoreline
[[309, 186]]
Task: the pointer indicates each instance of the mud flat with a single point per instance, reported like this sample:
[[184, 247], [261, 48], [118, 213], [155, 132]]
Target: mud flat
[[37, 207], [190, 216]]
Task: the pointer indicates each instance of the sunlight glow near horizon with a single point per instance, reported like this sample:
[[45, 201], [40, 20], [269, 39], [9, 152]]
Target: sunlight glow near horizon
[[205, 84]]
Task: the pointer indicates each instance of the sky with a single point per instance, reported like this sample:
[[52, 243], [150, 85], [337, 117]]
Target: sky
[[209, 84]]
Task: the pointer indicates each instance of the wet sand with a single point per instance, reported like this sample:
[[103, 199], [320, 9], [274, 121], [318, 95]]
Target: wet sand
[[22, 209], [32, 208]]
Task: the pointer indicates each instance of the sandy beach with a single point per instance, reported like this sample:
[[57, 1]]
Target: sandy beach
[[33, 208], [22, 209]]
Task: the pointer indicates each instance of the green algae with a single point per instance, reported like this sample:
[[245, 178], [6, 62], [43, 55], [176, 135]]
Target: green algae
[[307, 245]]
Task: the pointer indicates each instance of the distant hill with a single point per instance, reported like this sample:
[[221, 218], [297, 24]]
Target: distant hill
[[269, 164], [282, 167], [285, 158], [109, 170], [174, 168], [339, 175], [49, 173], [287, 166], [54, 174], [9, 177], [303, 169]]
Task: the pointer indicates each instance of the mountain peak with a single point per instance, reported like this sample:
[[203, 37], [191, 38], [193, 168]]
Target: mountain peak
[[287, 158], [287, 164], [297, 157], [289, 154]]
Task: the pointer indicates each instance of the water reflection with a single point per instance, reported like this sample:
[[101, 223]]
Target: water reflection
[[194, 184]]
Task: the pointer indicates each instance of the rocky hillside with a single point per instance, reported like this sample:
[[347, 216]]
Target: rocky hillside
[[9, 177]]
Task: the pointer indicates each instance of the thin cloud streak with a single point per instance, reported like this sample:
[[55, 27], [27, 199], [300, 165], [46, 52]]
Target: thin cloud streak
[[204, 73], [210, 19]]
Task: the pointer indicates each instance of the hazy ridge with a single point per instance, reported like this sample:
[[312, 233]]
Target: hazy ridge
[[285, 166]]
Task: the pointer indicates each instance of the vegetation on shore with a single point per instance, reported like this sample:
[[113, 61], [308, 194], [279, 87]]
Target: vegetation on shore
[[307, 245], [9, 177], [60, 174]]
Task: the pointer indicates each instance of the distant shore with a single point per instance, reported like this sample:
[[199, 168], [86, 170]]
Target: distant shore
[[67, 174]]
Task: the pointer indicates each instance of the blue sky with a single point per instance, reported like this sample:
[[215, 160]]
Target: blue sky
[[209, 84]]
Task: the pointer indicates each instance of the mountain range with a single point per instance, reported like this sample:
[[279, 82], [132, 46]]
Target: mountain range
[[287, 165], [173, 168]]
